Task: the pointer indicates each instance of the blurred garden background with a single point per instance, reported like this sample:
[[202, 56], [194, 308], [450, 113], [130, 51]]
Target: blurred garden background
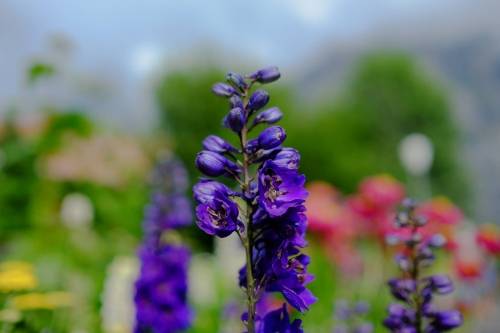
[[384, 99]]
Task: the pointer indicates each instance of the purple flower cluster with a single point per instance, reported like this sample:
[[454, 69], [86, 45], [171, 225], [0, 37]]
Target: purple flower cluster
[[416, 313], [169, 207], [267, 211], [161, 288]]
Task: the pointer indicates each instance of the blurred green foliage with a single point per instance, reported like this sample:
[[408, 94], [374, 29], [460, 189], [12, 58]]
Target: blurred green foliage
[[31, 226], [17, 179], [388, 97]]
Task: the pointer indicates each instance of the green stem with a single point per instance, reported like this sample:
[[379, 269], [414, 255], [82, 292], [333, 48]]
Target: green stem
[[415, 275], [248, 240]]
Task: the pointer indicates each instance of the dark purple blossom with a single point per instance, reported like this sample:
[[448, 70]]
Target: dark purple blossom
[[161, 290], [205, 190], [278, 321], [280, 188], [267, 211], [417, 313], [217, 216]]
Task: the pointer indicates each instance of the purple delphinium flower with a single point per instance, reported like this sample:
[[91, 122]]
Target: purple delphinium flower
[[416, 313], [280, 188], [267, 211], [161, 288]]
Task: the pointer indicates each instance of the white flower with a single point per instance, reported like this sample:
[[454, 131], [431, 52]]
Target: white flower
[[118, 311]]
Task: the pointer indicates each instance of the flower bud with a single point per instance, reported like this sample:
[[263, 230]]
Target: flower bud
[[252, 146], [217, 145], [206, 189], [258, 100], [288, 158], [409, 204], [441, 284], [437, 240], [403, 262], [271, 137], [402, 219], [223, 89], [446, 320], [213, 164], [235, 102], [266, 75], [236, 80], [235, 119], [210, 163], [421, 221], [269, 116]]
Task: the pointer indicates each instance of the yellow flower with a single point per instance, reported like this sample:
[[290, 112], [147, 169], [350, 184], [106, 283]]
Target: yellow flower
[[42, 301], [16, 276]]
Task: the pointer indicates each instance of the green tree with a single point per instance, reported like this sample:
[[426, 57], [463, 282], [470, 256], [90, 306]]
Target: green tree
[[388, 97]]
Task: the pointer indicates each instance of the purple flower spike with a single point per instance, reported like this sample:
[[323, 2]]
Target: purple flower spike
[[267, 208], [417, 312], [218, 145], [235, 119], [269, 116], [258, 100], [161, 288], [223, 89], [266, 75], [271, 137]]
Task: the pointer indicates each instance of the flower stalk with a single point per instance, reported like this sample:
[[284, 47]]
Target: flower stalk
[[417, 312], [270, 222]]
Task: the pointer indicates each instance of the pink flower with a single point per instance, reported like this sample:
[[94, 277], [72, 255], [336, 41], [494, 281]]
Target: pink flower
[[441, 210], [488, 238], [442, 217], [383, 192], [375, 204], [323, 206]]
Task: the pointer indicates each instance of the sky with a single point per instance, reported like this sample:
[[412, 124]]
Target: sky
[[120, 43]]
